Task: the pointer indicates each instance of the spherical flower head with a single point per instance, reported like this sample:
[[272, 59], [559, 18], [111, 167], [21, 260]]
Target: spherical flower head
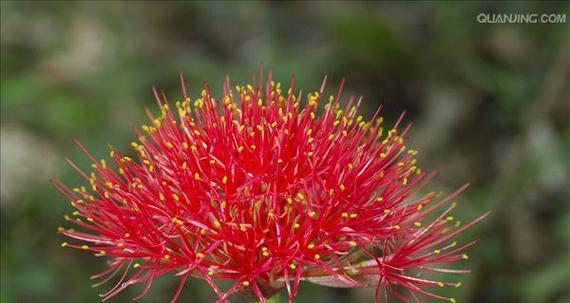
[[266, 187]]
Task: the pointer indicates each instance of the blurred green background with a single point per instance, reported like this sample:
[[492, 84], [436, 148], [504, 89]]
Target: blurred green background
[[490, 104]]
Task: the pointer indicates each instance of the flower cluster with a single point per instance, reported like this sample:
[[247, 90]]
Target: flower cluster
[[266, 188]]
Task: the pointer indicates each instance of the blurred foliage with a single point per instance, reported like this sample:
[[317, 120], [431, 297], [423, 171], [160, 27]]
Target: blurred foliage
[[490, 105]]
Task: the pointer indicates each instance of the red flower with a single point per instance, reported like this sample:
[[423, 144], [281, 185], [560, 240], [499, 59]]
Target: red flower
[[261, 189]]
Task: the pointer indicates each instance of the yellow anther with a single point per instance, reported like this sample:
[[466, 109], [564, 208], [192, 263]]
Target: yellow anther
[[136, 265], [64, 244], [279, 161], [311, 246], [353, 216], [331, 137], [452, 300], [440, 284], [418, 224], [405, 181], [175, 197], [458, 284], [344, 215], [240, 149], [60, 229], [382, 155], [397, 226], [84, 247], [300, 196], [437, 251], [225, 180], [312, 214], [101, 253], [161, 197], [387, 211], [317, 256], [265, 254], [127, 235], [90, 219], [217, 224], [342, 187], [420, 206], [292, 266], [449, 218], [169, 145], [379, 199], [465, 256], [296, 225], [200, 255], [310, 154], [253, 147], [121, 244], [245, 283], [289, 200], [352, 243]]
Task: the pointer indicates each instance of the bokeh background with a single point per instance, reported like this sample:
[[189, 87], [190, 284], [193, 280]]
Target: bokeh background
[[490, 104]]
